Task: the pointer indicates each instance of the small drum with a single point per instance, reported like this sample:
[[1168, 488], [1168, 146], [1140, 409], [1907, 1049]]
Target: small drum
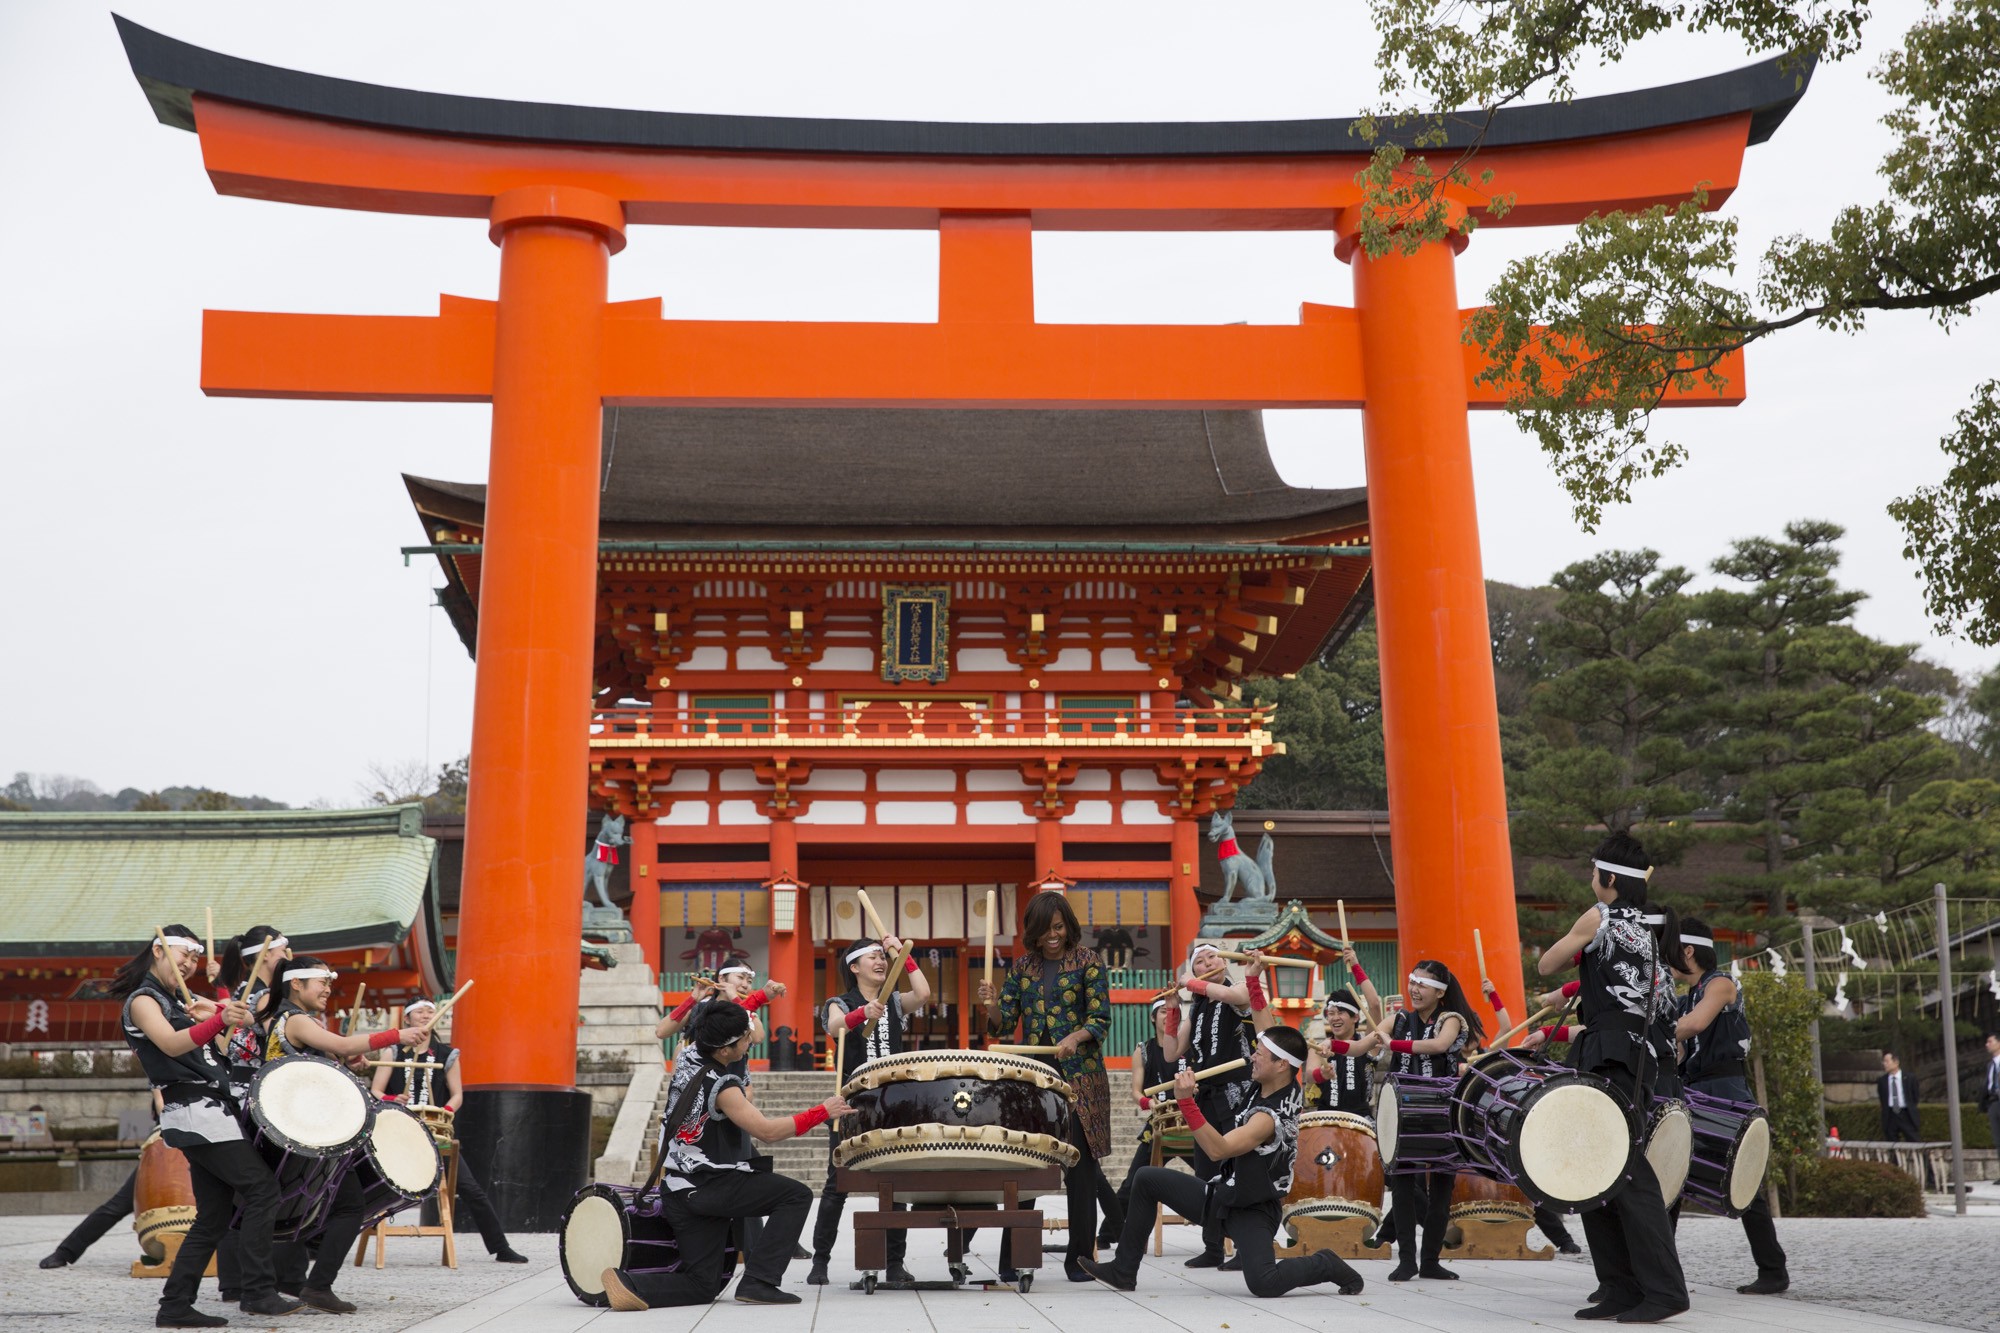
[[1669, 1145], [397, 1164], [1478, 1201], [1564, 1138], [1413, 1124], [1338, 1170], [1731, 1148], [1170, 1129], [616, 1226], [162, 1196], [439, 1119], [955, 1111], [305, 1116]]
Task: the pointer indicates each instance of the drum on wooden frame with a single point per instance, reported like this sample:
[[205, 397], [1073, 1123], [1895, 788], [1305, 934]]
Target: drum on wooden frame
[[1413, 1124], [1170, 1128], [1337, 1172], [1669, 1145], [397, 1164], [955, 1110], [1477, 1199], [162, 1196], [618, 1226], [1562, 1137], [1731, 1146], [305, 1115]]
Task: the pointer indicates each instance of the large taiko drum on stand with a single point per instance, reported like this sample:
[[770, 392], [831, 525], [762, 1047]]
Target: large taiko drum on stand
[[1669, 1145], [955, 1111], [619, 1226], [305, 1116], [1337, 1173], [1477, 1200], [1413, 1114], [1563, 1138], [397, 1164], [1731, 1148], [162, 1197]]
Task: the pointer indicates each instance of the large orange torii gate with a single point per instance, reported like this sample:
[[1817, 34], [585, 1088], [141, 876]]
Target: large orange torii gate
[[558, 186]]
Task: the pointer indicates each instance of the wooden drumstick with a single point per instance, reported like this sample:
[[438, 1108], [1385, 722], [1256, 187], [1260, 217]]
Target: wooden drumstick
[[209, 913], [992, 911], [354, 1011], [187, 996], [895, 976], [445, 1008], [1525, 1024], [1270, 960], [1209, 975], [1346, 940], [1479, 951], [868, 909], [1209, 1072]]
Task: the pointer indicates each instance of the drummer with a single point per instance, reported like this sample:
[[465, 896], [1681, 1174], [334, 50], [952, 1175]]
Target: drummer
[[1631, 1241], [171, 1037], [1716, 1035], [297, 1027], [865, 1023], [1339, 1070], [438, 1058], [247, 966], [1216, 1032], [1256, 1156], [1427, 1039], [1150, 1068]]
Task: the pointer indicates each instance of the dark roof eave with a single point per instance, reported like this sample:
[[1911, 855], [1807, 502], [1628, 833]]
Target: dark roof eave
[[172, 72]]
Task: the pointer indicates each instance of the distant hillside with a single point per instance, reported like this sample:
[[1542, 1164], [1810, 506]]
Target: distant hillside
[[61, 791]]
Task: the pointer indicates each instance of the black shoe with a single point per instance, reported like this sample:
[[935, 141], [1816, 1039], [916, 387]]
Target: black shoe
[[1340, 1272], [1009, 1276], [1569, 1247], [1107, 1240], [189, 1318], [1233, 1264], [1604, 1310], [323, 1300], [1596, 1297], [817, 1277], [1109, 1274], [800, 1252], [752, 1291], [1403, 1271], [1649, 1312], [1437, 1272], [1206, 1259], [899, 1278], [509, 1255], [57, 1259], [1765, 1285], [274, 1304], [1074, 1270]]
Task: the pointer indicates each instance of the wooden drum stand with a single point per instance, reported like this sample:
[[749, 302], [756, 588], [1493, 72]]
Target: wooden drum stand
[[1023, 1225]]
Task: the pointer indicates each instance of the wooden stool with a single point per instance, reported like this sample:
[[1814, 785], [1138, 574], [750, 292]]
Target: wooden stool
[[447, 1202]]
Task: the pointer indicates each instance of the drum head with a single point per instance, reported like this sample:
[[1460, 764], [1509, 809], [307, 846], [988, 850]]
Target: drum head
[[593, 1239], [1574, 1142], [312, 1103], [403, 1150], [1669, 1148], [1360, 1124], [1746, 1169], [926, 1066], [1386, 1117]]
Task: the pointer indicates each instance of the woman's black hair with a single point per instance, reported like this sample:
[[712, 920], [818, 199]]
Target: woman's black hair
[[717, 1025], [234, 969], [1454, 1001], [1287, 1039], [133, 971], [1043, 909], [282, 988], [1622, 849], [1704, 954], [1667, 932]]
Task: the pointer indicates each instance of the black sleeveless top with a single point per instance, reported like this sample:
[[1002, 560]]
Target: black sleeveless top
[[1410, 1027], [869, 1041], [1619, 976], [1264, 1174], [276, 1044], [1218, 1034], [1349, 1086], [1719, 1051], [432, 1090], [195, 1088]]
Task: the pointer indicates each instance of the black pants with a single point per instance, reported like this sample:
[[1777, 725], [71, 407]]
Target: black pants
[[832, 1202], [1214, 1108], [224, 1175], [316, 1260], [1079, 1190], [1423, 1199], [101, 1219], [1758, 1228], [700, 1218], [1251, 1229], [1551, 1223], [1142, 1157], [1631, 1237]]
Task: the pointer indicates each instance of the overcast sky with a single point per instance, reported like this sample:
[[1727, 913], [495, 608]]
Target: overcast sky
[[208, 591]]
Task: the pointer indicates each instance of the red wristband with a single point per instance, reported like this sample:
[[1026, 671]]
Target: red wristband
[[683, 1009], [1403, 1047], [1255, 985], [1339, 1047], [1191, 1113], [1570, 989], [1578, 960], [1319, 1075], [1173, 1020], [206, 1031], [803, 1122], [855, 1018], [1562, 1033], [754, 1001], [1354, 968], [381, 1041], [1199, 985], [909, 965]]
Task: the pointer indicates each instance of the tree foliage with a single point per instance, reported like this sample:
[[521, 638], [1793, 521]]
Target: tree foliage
[[1781, 1011], [1330, 718]]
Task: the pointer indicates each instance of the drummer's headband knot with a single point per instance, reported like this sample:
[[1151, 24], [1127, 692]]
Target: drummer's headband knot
[[307, 973], [182, 942], [1279, 1051], [1425, 979], [1611, 868], [862, 950], [1701, 941], [275, 942]]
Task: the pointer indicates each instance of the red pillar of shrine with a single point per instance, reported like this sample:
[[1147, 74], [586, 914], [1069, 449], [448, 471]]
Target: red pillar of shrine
[[645, 883], [1440, 722], [1183, 907], [792, 1009], [525, 1126]]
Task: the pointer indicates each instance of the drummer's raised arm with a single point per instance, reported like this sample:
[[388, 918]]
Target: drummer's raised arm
[[304, 1030], [920, 985], [1262, 1015], [1564, 953], [1371, 999], [1003, 1004]]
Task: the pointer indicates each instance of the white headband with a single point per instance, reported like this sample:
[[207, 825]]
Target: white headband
[[736, 967], [1342, 1004], [1159, 1004], [182, 942], [863, 949], [411, 1008], [307, 974], [1609, 868], [275, 942], [1702, 940], [1419, 979], [1657, 919], [1279, 1051]]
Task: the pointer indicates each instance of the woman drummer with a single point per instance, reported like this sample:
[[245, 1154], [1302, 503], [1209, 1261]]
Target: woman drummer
[[1217, 1031], [173, 1039], [297, 1027], [1058, 994], [1150, 1068], [1339, 1070], [1428, 1039], [246, 971]]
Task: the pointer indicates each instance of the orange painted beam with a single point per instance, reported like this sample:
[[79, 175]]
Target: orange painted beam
[[447, 357], [294, 159]]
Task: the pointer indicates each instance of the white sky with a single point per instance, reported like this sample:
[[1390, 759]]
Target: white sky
[[207, 591]]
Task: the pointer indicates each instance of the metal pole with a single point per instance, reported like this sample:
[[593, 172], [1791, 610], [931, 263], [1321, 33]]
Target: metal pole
[[1812, 1031], [1950, 1060]]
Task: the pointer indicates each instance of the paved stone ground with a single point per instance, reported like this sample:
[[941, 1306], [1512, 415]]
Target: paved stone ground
[[1848, 1277]]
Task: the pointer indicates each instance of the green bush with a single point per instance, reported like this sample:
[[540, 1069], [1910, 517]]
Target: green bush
[[1781, 1011], [1843, 1187], [1863, 1120]]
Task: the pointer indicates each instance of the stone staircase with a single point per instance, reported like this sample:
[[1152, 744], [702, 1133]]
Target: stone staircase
[[616, 1012]]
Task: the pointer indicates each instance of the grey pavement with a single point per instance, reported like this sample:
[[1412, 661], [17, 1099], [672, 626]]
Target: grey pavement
[[1848, 1277]]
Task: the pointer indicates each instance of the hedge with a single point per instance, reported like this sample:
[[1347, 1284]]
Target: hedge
[[1843, 1187], [1863, 1120]]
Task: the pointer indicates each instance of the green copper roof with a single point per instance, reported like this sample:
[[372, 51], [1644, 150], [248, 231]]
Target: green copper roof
[[97, 884]]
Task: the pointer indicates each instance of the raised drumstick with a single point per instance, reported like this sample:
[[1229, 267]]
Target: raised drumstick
[[1270, 960], [1209, 1072]]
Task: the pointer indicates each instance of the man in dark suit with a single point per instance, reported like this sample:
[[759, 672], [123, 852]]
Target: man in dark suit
[[1897, 1094], [1989, 1086]]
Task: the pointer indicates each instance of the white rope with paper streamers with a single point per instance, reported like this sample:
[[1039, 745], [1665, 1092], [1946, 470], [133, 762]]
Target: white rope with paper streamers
[[1847, 948], [1993, 983], [1882, 922], [1735, 971], [1840, 996], [1778, 968]]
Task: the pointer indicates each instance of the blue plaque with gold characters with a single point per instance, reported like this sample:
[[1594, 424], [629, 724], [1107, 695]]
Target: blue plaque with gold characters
[[916, 639]]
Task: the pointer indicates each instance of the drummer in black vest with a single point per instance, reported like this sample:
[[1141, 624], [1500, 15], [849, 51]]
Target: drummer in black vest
[[1340, 1069], [440, 1082], [173, 1039], [1217, 1030], [1631, 1241], [1150, 1068], [1428, 1038], [297, 1027], [865, 1023], [1715, 1033], [249, 964], [709, 1177], [1255, 1155]]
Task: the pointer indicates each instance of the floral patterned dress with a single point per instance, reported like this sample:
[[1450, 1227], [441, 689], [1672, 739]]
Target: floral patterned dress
[[1080, 999]]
